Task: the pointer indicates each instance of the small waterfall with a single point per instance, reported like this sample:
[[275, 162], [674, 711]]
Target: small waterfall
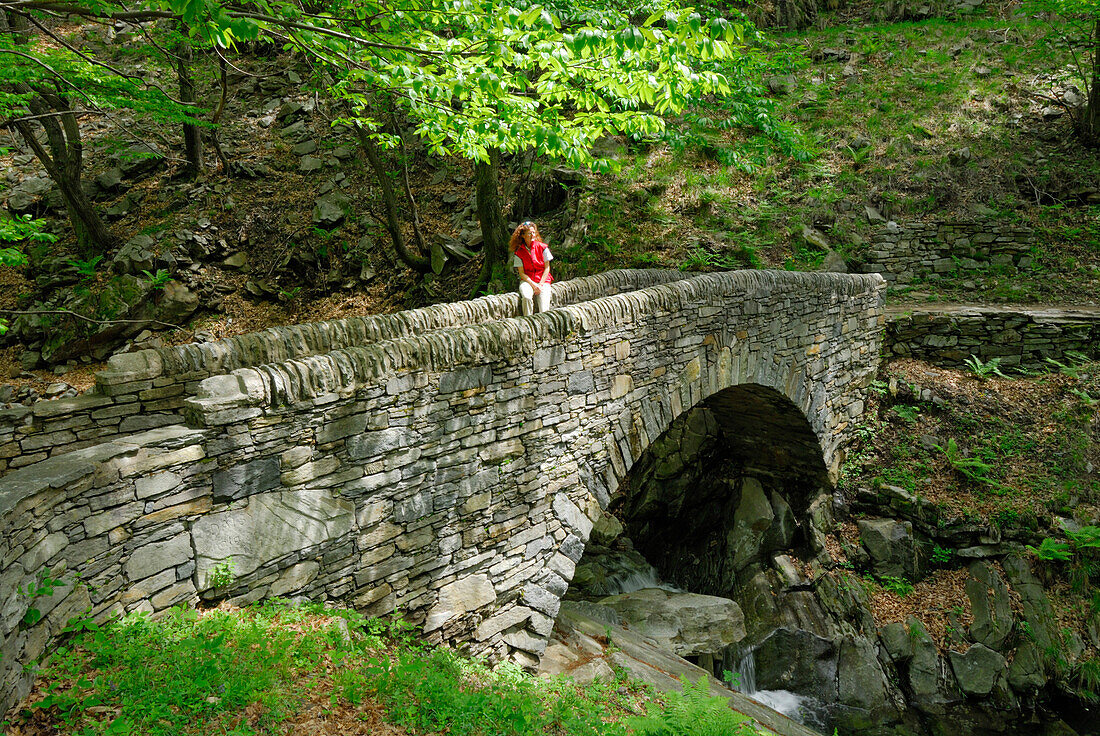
[[635, 581], [746, 668], [805, 710]]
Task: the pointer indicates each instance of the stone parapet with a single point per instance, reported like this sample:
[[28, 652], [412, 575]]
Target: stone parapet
[[947, 335], [144, 390]]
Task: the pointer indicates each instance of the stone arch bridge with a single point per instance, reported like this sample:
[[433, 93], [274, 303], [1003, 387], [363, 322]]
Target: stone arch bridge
[[447, 462]]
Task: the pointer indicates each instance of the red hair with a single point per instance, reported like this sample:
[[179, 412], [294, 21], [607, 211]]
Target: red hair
[[517, 237]]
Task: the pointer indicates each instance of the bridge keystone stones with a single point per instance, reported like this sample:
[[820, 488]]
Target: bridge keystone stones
[[447, 463]]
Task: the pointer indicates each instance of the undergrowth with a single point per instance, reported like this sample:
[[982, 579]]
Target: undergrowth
[[262, 669]]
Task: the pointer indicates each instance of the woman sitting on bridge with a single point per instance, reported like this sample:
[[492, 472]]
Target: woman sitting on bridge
[[531, 258]]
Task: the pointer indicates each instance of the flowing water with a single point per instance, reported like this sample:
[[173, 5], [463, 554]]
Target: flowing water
[[802, 708]]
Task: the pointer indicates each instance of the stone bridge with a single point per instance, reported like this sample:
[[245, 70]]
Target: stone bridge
[[447, 463]]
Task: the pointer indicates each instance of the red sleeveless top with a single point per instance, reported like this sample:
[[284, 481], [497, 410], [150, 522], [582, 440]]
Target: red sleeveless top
[[533, 261]]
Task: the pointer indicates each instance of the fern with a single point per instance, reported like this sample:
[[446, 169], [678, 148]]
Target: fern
[[694, 712]]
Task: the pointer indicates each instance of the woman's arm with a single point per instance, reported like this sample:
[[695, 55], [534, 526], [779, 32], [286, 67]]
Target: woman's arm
[[545, 273], [524, 277]]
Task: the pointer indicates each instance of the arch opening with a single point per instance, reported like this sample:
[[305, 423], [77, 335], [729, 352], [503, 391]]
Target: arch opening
[[699, 517], [721, 488]]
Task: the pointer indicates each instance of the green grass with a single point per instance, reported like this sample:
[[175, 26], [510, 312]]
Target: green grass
[[916, 98], [260, 669]]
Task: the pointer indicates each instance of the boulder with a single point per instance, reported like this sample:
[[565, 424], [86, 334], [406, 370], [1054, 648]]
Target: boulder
[[606, 529], [813, 238], [135, 256], [110, 180], [977, 670], [138, 160], [834, 263], [865, 698], [931, 682], [310, 163], [799, 661], [1026, 673], [685, 623], [751, 520], [28, 197], [329, 211], [991, 604], [893, 549], [781, 84]]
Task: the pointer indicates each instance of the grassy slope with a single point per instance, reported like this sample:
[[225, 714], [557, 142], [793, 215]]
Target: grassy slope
[[277, 669], [915, 96]]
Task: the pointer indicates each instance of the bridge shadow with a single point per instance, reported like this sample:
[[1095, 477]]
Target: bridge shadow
[[722, 487]]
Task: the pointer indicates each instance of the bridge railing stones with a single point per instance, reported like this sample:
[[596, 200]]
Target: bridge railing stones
[[1018, 336], [929, 250], [146, 389], [454, 475]]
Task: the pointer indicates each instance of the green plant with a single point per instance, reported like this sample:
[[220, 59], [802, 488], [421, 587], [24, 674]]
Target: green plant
[[41, 587], [221, 576], [982, 371], [289, 295], [1085, 398], [692, 712], [906, 412], [898, 586], [942, 555], [86, 268], [972, 468], [159, 279]]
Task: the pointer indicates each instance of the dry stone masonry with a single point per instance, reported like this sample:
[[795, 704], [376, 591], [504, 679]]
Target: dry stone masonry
[[947, 335], [929, 250], [449, 472], [146, 390]]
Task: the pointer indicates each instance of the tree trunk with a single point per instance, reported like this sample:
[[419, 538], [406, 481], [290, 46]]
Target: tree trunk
[[64, 164], [419, 263], [1090, 123], [494, 230], [192, 135]]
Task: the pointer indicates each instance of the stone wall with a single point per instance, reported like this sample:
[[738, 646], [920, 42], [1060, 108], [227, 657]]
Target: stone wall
[[928, 250], [947, 336], [145, 390], [453, 475]]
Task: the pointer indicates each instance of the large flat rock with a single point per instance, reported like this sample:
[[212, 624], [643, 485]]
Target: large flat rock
[[271, 526]]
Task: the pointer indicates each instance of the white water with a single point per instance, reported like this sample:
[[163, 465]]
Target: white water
[[637, 580], [797, 707]]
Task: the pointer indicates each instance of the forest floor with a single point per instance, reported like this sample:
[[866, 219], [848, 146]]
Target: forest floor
[[1019, 452]]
